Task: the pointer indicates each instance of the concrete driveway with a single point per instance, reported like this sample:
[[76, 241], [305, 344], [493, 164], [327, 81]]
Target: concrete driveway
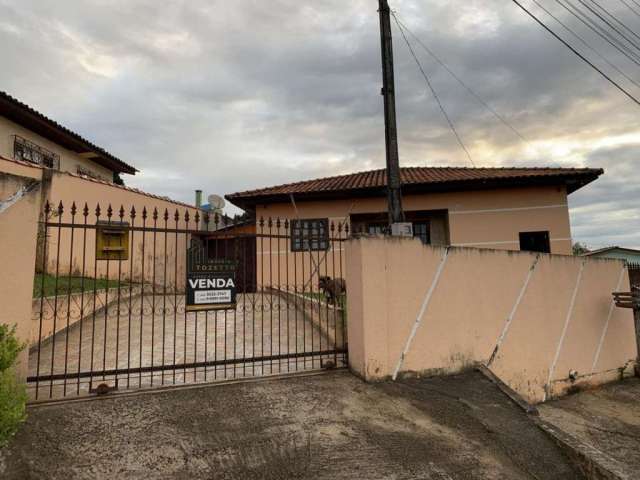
[[156, 331], [326, 426]]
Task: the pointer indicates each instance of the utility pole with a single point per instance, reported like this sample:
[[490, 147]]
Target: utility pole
[[396, 215]]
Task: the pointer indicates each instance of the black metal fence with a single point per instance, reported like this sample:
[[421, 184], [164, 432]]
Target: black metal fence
[[109, 300]]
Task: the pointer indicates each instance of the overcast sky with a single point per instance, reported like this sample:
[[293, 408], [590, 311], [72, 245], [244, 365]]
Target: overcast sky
[[233, 95]]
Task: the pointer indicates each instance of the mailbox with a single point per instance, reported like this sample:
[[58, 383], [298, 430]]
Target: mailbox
[[112, 241]]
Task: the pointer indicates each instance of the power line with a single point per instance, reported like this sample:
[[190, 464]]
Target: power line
[[586, 44], [459, 80], [631, 42], [598, 30], [433, 91], [566, 44], [630, 7], [615, 19]]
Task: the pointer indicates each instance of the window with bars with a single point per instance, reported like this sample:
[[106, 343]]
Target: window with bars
[[28, 151], [310, 235]]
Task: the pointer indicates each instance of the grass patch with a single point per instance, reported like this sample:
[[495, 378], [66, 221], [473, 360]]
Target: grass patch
[[45, 285]]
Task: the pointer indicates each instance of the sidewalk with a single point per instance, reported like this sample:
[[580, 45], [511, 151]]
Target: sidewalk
[[604, 424]]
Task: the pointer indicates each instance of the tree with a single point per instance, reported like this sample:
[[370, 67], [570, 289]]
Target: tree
[[580, 248]]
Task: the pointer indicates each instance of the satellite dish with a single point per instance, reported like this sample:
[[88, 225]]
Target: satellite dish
[[216, 202]]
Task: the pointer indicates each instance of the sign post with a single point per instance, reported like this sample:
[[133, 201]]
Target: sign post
[[211, 282]]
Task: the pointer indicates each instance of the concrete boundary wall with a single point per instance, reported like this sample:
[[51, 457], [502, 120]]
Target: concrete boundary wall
[[20, 231], [534, 319]]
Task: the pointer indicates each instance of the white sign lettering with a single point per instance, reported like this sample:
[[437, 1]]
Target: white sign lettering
[[204, 283]]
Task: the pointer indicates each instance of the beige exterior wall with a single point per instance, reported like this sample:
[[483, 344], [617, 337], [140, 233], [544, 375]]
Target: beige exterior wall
[[277, 266], [483, 218], [69, 161], [147, 251], [563, 321], [18, 229]]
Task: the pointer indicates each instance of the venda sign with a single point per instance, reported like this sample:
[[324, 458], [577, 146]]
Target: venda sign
[[211, 282]]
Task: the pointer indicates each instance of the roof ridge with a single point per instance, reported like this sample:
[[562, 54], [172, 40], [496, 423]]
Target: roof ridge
[[412, 168]]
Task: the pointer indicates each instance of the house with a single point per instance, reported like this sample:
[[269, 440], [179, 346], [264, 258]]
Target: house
[[43, 163], [29, 136], [497, 208], [629, 255]]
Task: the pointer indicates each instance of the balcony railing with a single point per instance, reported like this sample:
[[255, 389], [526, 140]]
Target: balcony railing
[[28, 151]]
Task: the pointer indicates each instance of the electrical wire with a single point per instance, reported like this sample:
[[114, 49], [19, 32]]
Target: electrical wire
[[586, 60], [586, 44], [630, 7], [631, 42], [433, 91], [458, 79], [615, 19], [598, 30]]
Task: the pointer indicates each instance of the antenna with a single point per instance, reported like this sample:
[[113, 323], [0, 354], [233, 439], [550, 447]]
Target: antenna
[[216, 202]]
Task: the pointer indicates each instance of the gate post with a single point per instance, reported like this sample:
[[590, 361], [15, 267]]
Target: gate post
[[21, 201]]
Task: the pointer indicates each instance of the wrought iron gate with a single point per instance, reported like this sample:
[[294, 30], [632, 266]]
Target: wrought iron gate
[[109, 301]]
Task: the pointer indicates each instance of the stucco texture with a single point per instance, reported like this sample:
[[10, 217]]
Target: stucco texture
[[481, 312]]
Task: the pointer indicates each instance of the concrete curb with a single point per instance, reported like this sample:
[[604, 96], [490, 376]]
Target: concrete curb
[[508, 391], [594, 464]]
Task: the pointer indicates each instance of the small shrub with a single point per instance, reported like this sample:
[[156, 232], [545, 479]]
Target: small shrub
[[13, 395]]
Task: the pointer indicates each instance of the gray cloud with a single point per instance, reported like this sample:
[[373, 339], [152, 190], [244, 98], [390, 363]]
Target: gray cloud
[[226, 96]]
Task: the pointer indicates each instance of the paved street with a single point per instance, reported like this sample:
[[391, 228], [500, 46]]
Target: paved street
[[326, 426], [162, 333]]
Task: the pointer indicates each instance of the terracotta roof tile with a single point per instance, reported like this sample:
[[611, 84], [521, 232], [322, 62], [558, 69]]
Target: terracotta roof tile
[[10, 104], [427, 177]]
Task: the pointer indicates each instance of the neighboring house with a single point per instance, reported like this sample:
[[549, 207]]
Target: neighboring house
[[629, 255], [499, 208], [29, 136]]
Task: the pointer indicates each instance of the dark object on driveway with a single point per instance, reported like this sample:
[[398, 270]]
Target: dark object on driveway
[[103, 389], [333, 288]]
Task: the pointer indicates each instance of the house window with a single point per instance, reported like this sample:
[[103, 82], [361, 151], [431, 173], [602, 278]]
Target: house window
[[535, 242], [310, 235], [28, 151], [421, 231], [377, 228]]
